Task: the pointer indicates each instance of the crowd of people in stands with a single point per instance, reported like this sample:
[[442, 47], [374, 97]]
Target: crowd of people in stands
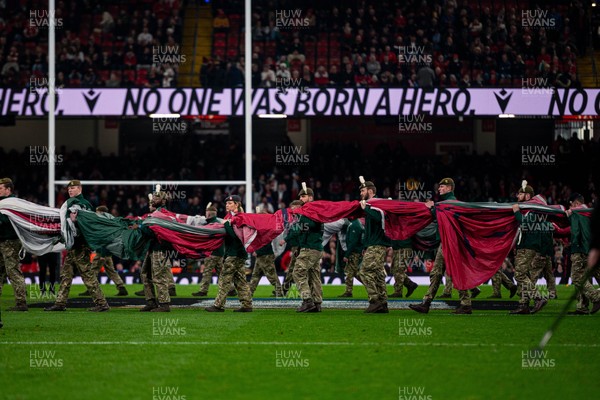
[[454, 43], [109, 43]]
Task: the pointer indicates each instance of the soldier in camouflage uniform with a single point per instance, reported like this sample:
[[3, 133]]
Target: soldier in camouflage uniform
[[353, 254], [402, 254], [106, 261], [78, 258], [9, 252], [291, 241], [235, 261], [307, 272], [446, 190], [528, 261], [499, 279], [215, 260], [372, 271], [156, 268], [580, 247], [265, 265], [546, 253]]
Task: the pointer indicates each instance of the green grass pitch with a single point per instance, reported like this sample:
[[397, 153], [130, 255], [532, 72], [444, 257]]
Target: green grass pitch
[[279, 354]]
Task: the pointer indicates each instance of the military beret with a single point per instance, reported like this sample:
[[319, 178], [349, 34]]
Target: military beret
[[74, 182], [447, 181]]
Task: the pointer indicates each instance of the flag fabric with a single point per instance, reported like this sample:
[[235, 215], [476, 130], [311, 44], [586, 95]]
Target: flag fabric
[[38, 227], [403, 219], [477, 237]]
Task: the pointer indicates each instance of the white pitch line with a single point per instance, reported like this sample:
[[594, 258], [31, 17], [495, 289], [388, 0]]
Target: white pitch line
[[400, 344]]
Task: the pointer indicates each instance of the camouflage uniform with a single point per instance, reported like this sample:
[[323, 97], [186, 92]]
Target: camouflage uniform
[[354, 248], [448, 286], [547, 252], [265, 265], [9, 257], [587, 293], [233, 271], [79, 258], [156, 269], [435, 279], [498, 280], [109, 267], [400, 259], [307, 269], [233, 274], [528, 263], [10, 266], [211, 262], [289, 274], [372, 273]]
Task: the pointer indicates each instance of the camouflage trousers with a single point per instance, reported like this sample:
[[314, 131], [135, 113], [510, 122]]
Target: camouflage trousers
[[399, 266], [210, 263], [372, 272], [156, 271], [79, 259], [233, 274], [10, 266], [109, 268], [307, 275], [528, 265], [587, 292], [265, 265], [500, 279], [289, 275], [435, 279], [448, 286], [548, 275], [351, 270]]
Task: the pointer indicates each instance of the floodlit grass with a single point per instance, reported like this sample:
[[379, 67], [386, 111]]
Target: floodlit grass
[[279, 354]]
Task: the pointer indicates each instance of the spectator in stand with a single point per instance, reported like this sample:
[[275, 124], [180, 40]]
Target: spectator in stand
[[145, 37], [373, 66], [283, 72], [362, 79], [465, 82], [505, 70], [221, 22], [321, 77], [267, 77], [334, 76], [107, 23], [347, 76], [425, 77]]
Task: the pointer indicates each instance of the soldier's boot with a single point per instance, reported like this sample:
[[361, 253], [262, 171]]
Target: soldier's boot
[[475, 292], [495, 296], [373, 306], [422, 308], [200, 294], [513, 291], [307, 305], [539, 304], [140, 293], [232, 293], [172, 292], [56, 307], [243, 309], [445, 296], [100, 308], [463, 310], [162, 307], [411, 288], [150, 305], [383, 309], [214, 309], [346, 294], [396, 294], [86, 293], [522, 309], [317, 308], [19, 307], [122, 292], [595, 307]]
